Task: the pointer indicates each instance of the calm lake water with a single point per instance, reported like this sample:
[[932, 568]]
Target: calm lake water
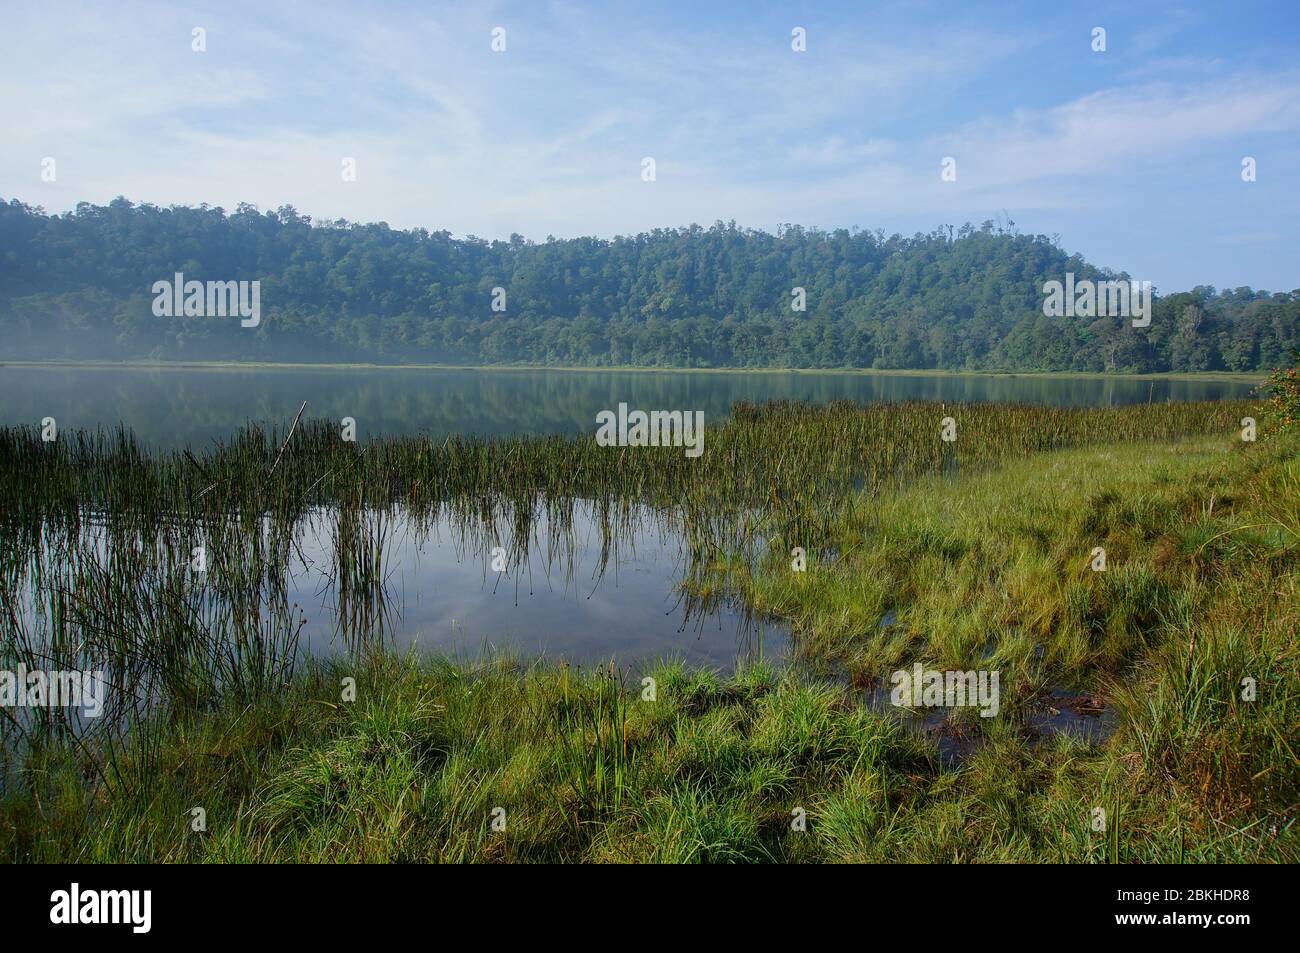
[[590, 603], [579, 588], [176, 407], [583, 595]]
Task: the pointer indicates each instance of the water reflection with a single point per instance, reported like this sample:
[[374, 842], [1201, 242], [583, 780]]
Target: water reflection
[[174, 609], [174, 407], [572, 583]]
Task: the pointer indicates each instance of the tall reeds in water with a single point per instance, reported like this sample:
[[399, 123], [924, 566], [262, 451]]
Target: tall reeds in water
[[98, 536]]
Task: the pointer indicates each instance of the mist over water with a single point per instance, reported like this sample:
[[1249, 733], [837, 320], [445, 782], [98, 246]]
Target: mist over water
[[170, 408]]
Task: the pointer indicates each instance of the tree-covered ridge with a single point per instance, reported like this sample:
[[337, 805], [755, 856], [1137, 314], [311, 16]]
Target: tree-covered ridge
[[79, 285]]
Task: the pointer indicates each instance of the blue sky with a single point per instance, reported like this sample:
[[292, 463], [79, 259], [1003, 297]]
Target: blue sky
[[1132, 156]]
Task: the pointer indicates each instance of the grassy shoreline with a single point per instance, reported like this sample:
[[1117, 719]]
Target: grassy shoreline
[[1230, 376], [1202, 588]]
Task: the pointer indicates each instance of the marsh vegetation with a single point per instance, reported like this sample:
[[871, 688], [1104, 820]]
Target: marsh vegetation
[[963, 554]]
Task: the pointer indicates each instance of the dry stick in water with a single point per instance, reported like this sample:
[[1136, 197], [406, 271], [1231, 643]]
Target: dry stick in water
[[287, 439], [207, 476]]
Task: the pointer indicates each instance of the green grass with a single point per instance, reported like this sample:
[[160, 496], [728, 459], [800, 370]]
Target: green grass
[[100, 533], [789, 465], [988, 568]]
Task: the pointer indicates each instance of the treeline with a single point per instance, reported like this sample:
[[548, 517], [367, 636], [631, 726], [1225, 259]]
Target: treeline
[[78, 285]]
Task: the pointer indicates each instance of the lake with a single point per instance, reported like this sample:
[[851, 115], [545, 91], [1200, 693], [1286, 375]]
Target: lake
[[173, 407], [580, 588], [588, 604]]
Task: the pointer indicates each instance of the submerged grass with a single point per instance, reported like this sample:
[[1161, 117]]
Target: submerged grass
[[794, 461], [972, 555]]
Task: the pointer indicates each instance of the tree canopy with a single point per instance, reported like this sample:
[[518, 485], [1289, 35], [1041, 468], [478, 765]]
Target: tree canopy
[[78, 285]]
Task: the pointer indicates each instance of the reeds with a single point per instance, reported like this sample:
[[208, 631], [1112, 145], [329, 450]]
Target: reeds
[[787, 460], [98, 536], [1200, 593]]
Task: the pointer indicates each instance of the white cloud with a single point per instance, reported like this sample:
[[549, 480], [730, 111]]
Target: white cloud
[[548, 137]]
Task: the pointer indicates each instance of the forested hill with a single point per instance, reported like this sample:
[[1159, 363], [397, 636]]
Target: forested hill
[[79, 286]]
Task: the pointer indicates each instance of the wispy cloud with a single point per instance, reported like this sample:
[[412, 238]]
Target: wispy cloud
[[548, 137]]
